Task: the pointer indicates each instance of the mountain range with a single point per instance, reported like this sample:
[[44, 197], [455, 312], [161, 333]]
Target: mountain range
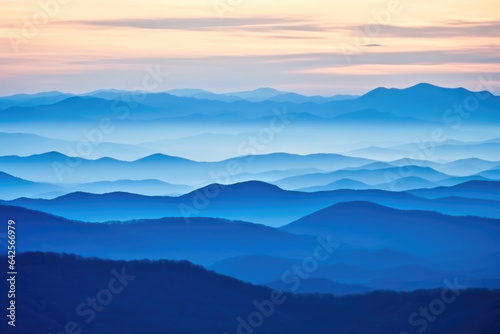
[[397, 189], [368, 246], [183, 298], [249, 201], [398, 102]]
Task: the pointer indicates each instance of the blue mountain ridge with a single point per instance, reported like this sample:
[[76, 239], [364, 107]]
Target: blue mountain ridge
[[399, 102], [253, 201], [215, 241], [181, 290]]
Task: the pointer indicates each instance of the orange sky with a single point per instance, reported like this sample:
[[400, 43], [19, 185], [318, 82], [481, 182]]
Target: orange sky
[[314, 47]]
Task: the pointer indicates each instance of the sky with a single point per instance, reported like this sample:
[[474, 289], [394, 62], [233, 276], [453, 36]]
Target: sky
[[323, 47]]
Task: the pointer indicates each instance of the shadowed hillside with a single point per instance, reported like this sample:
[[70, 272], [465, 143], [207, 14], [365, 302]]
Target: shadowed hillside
[[96, 296]]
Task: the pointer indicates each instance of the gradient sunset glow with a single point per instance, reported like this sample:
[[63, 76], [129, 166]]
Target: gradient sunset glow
[[311, 47]]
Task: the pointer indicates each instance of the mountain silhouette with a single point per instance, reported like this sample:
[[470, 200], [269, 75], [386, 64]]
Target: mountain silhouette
[[471, 189], [13, 187], [417, 232], [399, 102], [371, 177], [210, 239], [176, 291], [253, 201]]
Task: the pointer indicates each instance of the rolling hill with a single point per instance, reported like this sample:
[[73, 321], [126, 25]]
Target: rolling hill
[[183, 298], [421, 233], [202, 240], [54, 167], [248, 201]]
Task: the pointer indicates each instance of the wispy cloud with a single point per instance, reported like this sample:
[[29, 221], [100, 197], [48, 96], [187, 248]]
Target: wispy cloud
[[394, 69], [258, 24], [262, 43], [442, 30]]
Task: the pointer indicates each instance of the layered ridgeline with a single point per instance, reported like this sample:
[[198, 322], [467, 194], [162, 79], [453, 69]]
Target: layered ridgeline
[[264, 203], [98, 296], [405, 197], [384, 124], [368, 246], [53, 174], [392, 104]]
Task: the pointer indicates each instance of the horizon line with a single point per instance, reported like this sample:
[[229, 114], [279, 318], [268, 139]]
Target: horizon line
[[228, 94]]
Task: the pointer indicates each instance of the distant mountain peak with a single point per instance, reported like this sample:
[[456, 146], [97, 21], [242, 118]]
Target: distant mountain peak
[[187, 91], [161, 157], [36, 95], [248, 188], [262, 93], [51, 155], [424, 85], [266, 90], [418, 88]]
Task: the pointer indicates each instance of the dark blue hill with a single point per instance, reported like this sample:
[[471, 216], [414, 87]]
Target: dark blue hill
[[178, 297]]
